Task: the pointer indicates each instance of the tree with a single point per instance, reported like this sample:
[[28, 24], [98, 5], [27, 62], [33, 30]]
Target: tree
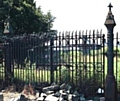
[[25, 17]]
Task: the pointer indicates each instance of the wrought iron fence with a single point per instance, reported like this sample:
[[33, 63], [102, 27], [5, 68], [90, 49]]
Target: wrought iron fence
[[66, 57], [78, 58]]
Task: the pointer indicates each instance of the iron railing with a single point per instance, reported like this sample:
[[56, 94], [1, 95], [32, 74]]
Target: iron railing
[[77, 58]]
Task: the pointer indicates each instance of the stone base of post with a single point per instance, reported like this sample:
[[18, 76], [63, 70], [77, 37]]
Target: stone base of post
[[110, 88]]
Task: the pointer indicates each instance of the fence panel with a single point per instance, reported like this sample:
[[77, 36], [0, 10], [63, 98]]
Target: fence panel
[[76, 58]]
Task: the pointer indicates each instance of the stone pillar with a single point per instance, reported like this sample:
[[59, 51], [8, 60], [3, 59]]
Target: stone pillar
[[110, 86]]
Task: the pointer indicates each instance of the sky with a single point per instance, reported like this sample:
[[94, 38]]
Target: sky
[[72, 15]]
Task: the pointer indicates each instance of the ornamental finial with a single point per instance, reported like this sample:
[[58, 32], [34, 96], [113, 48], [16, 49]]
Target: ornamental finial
[[110, 6]]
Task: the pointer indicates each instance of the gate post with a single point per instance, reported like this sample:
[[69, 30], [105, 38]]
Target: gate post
[[110, 86], [8, 53], [8, 73]]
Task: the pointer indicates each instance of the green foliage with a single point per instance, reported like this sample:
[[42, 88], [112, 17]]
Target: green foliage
[[25, 17], [65, 76]]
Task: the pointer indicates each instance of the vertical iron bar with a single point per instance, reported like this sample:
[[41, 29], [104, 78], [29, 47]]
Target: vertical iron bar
[[116, 55], [94, 55], [83, 60], [51, 61], [47, 61], [103, 58], [73, 56], [80, 60], [76, 58], [90, 62], [60, 56]]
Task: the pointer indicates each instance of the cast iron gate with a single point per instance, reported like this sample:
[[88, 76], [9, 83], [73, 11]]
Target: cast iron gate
[[77, 58]]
